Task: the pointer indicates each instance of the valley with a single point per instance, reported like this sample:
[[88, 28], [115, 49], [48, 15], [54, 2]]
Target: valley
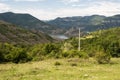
[[32, 49], [62, 25]]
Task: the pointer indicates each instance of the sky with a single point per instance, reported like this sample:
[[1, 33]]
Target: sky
[[51, 9]]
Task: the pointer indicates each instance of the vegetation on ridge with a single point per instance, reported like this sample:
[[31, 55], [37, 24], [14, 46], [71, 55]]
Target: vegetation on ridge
[[13, 34], [102, 46]]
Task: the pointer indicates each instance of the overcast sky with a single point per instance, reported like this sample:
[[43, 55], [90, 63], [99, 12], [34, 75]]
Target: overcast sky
[[50, 9]]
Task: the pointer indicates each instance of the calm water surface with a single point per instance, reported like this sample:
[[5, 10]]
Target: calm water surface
[[59, 36]]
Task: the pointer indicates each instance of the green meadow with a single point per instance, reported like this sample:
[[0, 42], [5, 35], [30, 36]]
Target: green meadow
[[61, 69]]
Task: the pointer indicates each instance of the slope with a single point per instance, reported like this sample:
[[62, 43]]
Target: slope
[[27, 21], [13, 34], [107, 41], [86, 23]]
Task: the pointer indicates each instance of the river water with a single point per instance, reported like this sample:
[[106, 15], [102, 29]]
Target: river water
[[59, 36]]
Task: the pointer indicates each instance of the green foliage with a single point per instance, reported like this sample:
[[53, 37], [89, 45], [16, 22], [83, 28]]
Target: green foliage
[[74, 42], [103, 45], [42, 51], [114, 48], [18, 55], [67, 46], [75, 53], [14, 54], [102, 57], [11, 33], [70, 53], [83, 54], [1, 56], [48, 48], [65, 54], [51, 49], [55, 54], [36, 52], [38, 58], [57, 63]]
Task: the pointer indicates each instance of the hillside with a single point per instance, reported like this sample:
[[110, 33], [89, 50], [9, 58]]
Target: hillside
[[76, 21], [106, 41], [67, 25], [13, 34], [27, 21], [86, 23]]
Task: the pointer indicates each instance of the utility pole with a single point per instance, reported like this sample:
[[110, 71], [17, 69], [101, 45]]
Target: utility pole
[[79, 41]]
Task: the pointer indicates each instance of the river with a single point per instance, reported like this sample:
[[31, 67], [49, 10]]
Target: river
[[59, 36]]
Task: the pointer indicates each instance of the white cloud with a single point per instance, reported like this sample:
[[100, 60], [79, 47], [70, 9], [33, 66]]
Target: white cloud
[[69, 1], [104, 8], [30, 0], [4, 7], [101, 8]]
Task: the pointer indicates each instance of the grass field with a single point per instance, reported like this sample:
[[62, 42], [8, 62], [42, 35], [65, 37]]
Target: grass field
[[61, 69]]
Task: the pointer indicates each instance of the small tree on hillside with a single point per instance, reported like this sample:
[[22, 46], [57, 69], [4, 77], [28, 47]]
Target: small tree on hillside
[[102, 57]]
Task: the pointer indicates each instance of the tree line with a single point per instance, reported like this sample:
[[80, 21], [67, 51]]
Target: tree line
[[102, 46]]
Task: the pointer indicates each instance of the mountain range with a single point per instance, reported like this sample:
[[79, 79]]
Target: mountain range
[[65, 26], [70, 25], [27, 21]]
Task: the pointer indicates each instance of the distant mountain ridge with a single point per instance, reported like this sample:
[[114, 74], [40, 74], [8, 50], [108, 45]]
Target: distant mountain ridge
[[65, 26], [13, 34], [70, 21], [27, 21], [86, 23]]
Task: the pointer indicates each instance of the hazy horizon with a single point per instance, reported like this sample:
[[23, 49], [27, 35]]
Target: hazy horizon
[[51, 9]]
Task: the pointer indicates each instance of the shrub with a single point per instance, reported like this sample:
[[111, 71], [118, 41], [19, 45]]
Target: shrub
[[18, 55], [48, 48], [73, 53], [1, 57], [83, 54], [65, 54], [57, 63], [102, 57], [73, 64]]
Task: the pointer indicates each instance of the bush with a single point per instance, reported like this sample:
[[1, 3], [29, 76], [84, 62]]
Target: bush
[[54, 54], [48, 48], [65, 54], [57, 63], [73, 53], [102, 58], [73, 64], [1, 57], [70, 53], [83, 54], [19, 55]]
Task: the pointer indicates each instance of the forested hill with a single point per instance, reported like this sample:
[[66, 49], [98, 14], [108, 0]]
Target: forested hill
[[27, 21], [86, 23], [105, 41], [67, 25], [112, 33], [13, 34]]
